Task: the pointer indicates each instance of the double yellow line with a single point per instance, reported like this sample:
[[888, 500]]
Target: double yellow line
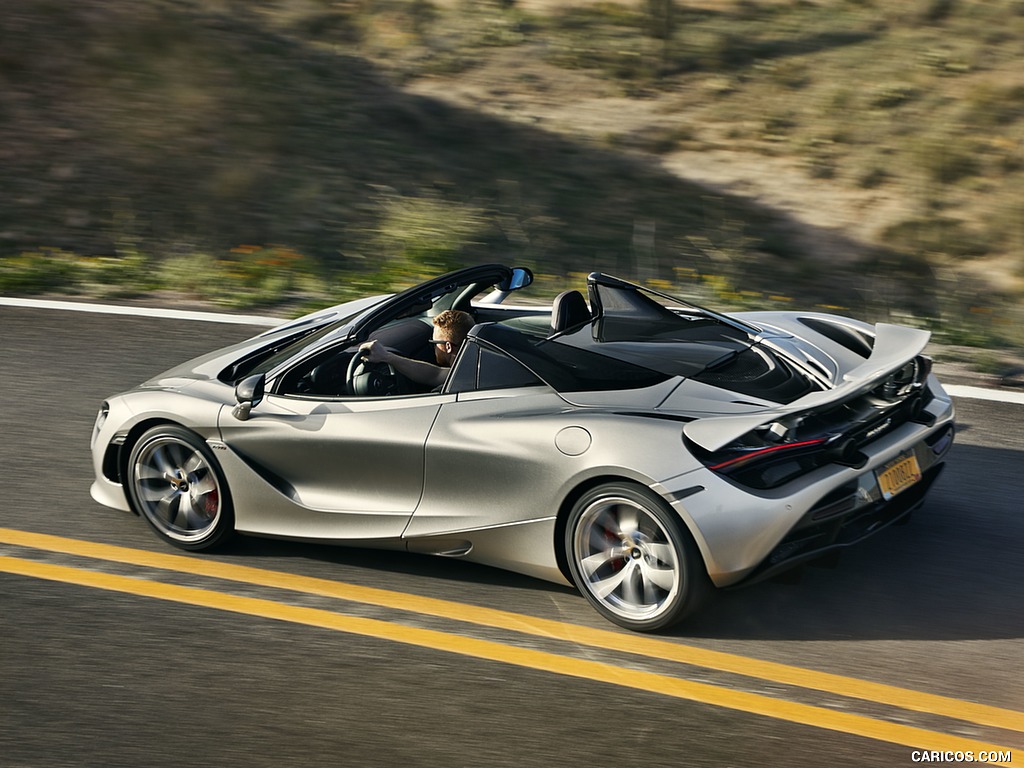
[[639, 645]]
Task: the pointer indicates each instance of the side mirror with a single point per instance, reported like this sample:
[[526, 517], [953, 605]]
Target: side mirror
[[520, 278], [249, 393]]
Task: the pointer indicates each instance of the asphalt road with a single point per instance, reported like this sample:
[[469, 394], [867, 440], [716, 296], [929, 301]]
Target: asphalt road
[[219, 671]]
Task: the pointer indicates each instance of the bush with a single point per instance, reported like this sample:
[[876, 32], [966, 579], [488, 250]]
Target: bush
[[936, 235], [946, 162], [48, 270]]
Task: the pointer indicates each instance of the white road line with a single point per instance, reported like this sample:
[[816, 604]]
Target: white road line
[[979, 393], [170, 314], [956, 390]]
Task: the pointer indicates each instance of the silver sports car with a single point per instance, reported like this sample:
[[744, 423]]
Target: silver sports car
[[637, 446]]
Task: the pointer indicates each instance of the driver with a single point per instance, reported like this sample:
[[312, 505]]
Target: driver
[[450, 329]]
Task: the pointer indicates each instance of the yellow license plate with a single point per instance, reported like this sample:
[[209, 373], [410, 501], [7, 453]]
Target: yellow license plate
[[898, 475]]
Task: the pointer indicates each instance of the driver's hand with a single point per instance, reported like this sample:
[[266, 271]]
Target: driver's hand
[[373, 352]]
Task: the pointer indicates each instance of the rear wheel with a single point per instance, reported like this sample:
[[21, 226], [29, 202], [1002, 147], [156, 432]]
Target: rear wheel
[[633, 559], [176, 484]]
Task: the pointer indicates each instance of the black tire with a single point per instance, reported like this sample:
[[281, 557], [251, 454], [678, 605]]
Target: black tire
[[175, 484], [633, 558]]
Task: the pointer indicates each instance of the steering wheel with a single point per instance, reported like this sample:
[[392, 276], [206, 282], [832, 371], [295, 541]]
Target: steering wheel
[[365, 378]]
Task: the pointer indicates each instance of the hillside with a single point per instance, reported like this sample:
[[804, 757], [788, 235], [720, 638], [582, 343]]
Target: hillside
[[848, 153]]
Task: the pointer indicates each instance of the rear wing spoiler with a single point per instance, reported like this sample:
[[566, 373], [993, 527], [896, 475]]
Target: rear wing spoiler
[[895, 346]]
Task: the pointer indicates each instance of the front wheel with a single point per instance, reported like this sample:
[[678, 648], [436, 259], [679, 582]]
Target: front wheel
[[633, 558], [176, 484]]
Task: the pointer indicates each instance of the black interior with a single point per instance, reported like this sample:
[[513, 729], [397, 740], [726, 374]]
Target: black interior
[[325, 373]]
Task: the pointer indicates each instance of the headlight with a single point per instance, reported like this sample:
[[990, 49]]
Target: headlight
[[101, 419]]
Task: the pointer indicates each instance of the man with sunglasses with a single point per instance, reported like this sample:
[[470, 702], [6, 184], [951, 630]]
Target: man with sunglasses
[[450, 329]]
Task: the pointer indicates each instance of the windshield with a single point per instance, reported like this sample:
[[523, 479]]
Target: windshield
[[265, 359], [430, 298]]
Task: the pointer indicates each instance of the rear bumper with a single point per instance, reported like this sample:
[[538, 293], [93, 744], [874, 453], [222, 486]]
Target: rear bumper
[[814, 538]]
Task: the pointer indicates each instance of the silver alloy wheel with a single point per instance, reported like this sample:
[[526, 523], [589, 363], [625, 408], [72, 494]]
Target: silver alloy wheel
[[177, 489], [627, 559]]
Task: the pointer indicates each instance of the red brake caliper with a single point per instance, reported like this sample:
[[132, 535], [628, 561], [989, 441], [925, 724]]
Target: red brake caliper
[[614, 539], [211, 502]]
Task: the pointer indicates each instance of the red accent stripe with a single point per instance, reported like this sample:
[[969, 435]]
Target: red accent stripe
[[763, 451]]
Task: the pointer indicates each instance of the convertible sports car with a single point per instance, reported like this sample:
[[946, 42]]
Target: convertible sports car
[[640, 447]]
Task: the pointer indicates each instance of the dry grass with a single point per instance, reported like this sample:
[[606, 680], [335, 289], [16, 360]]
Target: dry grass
[[852, 153]]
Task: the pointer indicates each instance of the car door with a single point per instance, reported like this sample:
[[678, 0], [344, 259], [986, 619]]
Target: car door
[[497, 434], [360, 458]]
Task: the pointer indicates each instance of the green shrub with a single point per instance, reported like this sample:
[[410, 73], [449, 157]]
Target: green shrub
[[939, 234], [947, 161], [425, 235], [249, 276], [993, 105], [48, 270], [131, 274], [889, 96], [873, 178]]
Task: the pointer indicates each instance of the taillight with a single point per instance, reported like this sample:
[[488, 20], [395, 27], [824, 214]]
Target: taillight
[[755, 454], [757, 463]]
